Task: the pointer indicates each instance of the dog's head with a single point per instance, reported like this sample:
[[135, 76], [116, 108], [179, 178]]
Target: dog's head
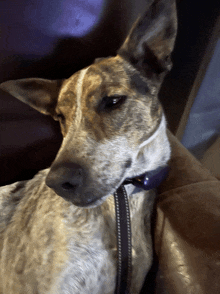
[[112, 122]]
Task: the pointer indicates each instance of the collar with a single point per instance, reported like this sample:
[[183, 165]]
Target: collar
[[149, 180]]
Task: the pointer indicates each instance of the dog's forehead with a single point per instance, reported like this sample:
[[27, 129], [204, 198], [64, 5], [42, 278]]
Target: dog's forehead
[[82, 93], [112, 70], [106, 77]]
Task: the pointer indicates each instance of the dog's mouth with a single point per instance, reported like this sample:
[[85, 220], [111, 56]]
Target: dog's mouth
[[147, 181], [91, 204]]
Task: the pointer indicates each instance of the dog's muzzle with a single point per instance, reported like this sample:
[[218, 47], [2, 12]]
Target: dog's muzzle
[[68, 180]]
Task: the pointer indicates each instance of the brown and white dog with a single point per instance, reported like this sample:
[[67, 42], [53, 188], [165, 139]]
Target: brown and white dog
[[114, 128]]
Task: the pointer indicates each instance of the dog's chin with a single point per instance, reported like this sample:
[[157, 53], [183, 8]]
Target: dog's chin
[[94, 204], [97, 201], [88, 198], [84, 202], [88, 204]]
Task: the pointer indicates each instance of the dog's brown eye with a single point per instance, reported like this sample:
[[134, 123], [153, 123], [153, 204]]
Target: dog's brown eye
[[111, 102]]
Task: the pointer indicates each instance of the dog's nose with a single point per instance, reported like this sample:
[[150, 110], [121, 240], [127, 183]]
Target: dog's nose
[[65, 178]]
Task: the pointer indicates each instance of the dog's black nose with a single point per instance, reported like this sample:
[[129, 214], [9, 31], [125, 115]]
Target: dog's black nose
[[65, 178]]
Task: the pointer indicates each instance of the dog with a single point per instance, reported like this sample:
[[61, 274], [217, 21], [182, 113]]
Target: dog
[[58, 230]]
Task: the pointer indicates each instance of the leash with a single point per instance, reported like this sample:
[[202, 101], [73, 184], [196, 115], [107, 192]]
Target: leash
[[147, 181], [123, 241]]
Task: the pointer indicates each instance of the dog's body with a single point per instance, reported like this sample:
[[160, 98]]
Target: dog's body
[[113, 128], [69, 249]]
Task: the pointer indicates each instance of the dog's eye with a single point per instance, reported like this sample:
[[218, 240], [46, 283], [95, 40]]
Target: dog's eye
[[112, 102]]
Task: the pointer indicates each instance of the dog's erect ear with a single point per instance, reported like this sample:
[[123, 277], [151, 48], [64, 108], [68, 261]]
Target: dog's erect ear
[[151, 39], [40, 94]]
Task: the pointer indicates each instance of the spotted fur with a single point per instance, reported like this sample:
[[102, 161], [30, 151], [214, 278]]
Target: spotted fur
[[58, 230]]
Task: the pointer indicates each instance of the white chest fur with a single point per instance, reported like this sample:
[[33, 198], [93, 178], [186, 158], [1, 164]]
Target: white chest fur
[[92, 249]]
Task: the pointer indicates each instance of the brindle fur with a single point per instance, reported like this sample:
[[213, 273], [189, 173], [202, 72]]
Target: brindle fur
[[51, 245]]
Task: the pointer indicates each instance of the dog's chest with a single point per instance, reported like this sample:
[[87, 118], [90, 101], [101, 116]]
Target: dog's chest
[[92, 248]]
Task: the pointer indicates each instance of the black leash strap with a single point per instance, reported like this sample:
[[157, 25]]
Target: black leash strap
[[124, 241], [147, 181]]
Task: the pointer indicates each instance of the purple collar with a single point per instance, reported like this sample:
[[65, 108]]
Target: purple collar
[[149, 180]]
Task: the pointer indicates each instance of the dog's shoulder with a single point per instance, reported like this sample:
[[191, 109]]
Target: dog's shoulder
[[12, 195]]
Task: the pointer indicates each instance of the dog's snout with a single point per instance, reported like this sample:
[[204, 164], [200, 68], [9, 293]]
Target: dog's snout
[[65, 178]]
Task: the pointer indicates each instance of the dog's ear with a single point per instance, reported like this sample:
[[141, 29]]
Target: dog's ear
[[151, 39], [40, 94]]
